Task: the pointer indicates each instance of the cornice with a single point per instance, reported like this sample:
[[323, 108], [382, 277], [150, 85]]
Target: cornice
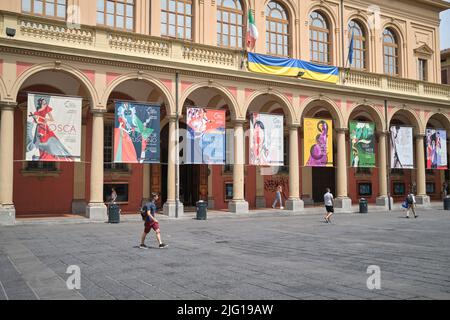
[[153, 65]]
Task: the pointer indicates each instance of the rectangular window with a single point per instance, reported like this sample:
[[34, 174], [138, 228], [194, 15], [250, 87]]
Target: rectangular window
[[108, 150], [422, 70], [431, 188], [176, 19], [41, 166], [365, 189], [47, 8], [116, 14], [444, 76], [399, 188], [121, 190]]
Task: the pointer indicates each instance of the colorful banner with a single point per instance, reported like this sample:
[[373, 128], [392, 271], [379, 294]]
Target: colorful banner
[[362, 144], [318, 142], [206, 136], [436, 140], [136, 133], [292, 67], [266, 139], [402, 155], [53, 128]]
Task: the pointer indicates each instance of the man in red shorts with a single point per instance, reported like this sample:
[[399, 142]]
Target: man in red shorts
[[151, 223]]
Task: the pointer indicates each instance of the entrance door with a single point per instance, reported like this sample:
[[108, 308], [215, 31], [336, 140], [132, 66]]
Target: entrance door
[[189, 184], [322, 178]]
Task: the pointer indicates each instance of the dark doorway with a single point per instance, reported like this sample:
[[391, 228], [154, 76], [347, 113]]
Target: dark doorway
[[322, 178], [189, 174]]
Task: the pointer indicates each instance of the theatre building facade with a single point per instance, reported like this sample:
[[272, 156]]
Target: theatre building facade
[[89, 61]]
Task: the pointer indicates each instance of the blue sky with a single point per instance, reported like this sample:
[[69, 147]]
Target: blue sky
[[445, 29]]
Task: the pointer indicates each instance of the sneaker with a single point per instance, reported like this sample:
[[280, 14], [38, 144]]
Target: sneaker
[[163, 245], [273, 207], [143, 246], [326, 220], [407, 217], [416, 216], [281, 208]]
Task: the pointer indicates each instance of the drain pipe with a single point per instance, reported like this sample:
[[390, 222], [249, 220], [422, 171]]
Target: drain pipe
[[388, 156], [342, 34], [177, 145]]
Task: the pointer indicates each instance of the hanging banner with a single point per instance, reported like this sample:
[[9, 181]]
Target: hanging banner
[[53, 128], [436, 140], [292, 68], [136, 133], [266, 139], [205, 136], [402, 155], [362, 144], [318, 142]]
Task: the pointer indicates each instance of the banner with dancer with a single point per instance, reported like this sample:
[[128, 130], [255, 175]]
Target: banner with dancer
[[318, 142], [436, 149], [402, 155], [205, 143], [136, 133], [53, 128], [362, 144], [266, 139]]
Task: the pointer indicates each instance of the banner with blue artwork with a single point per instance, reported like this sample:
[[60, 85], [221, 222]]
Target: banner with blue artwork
[[136, 133], [205, 136]]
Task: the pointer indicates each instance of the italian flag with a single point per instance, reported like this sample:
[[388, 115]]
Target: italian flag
[[252, 32]]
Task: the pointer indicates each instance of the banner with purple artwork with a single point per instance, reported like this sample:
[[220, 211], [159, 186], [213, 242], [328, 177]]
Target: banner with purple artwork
[[318, 142]]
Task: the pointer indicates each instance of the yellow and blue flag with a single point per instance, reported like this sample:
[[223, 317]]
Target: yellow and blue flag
[[292, 67]]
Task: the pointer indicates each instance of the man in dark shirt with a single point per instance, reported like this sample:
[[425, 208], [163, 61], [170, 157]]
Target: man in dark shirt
[[151, 223]]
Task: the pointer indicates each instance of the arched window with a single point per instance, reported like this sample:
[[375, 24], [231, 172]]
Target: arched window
[[230, 24], [117, 14], [319, 38], [390, 49], [176, 19], [277, 30], [359, 45]]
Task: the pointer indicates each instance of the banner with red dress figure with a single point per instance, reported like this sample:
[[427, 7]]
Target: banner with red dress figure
[[136, 133], [53, 128], [266, 139], [205, 143], [436, 149]]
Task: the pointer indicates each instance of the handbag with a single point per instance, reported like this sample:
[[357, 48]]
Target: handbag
[[405, 204]]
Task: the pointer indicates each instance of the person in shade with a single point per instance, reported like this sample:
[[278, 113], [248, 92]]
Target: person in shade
[[329, 202], [278, 198], [151, 223]]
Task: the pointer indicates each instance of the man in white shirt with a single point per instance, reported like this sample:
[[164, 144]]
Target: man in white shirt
[[329, 202]]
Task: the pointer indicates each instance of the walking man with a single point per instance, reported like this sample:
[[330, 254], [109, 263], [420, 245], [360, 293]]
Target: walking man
[[278, 198], [151, 223], [411, 202], [329, 202]]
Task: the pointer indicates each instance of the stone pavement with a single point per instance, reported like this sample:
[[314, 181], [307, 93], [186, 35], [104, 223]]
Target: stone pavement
[[267, 255]]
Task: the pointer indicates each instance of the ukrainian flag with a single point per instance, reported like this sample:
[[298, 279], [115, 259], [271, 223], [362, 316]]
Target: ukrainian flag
[[291, 67]]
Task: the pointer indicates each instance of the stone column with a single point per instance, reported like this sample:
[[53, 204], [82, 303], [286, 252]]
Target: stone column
[[238, 204], [294, 202], [382, 199], [342, 200], [421, 197], [169, 207], [7, 210], [96, 209]]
